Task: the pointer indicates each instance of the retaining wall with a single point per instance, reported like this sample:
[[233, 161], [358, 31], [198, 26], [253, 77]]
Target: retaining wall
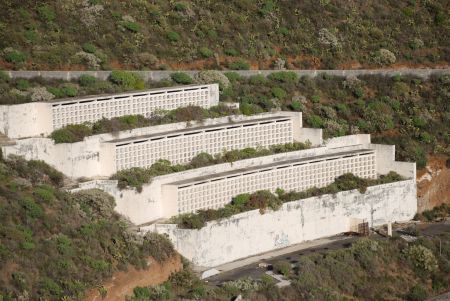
[[252, 233], [158, 75]]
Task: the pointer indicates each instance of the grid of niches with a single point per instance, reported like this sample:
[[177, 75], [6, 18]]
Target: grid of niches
[[182, 148], [146, 104], [218, 192]]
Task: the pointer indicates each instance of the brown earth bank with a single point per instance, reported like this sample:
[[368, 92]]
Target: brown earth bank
[[433, 183], [122, 283]]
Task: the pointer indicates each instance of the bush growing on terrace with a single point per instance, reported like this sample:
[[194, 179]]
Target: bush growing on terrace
[[181, 78], [71, 133], [127, 80]]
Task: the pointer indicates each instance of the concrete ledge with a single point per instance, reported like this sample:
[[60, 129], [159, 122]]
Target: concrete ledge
[[159, 75]]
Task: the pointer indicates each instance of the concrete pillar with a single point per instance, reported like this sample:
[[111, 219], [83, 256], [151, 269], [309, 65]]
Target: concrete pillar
[[389, 229]]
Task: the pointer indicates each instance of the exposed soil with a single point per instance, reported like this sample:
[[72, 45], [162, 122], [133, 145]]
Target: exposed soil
[[433, 183], [123, 283]]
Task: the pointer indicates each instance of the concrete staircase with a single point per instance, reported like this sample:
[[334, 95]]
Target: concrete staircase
[[4, 140]]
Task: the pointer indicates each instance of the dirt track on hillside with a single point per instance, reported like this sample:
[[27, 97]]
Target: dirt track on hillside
[[433, 183], [123, 283]]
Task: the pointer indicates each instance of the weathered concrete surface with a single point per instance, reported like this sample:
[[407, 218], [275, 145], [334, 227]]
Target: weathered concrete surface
[[158, 75], [251, 233]]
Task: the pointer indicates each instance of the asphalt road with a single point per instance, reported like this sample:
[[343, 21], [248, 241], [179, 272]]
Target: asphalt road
[[255, 272]]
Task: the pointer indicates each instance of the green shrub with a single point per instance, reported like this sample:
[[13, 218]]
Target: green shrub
[[58, 92], [202, 159], [87, 80], [180, 6], [46, 13], [282, 267], [158, 246], [267, 6], [422, 259], [4, 77], [239, 65], [417, 293], [69, 90], [22, 84], [131, 26], [44, 193], [284, 76], [71, 133], [419, 122], [257, 80], [173, 36], [232, 76], [315, 98], [181, 78], [206, 52], [33, 210], [127, 80], [279, 92], [231, 52], [89, 48], [297, 106], [15, 57], [315, 121]]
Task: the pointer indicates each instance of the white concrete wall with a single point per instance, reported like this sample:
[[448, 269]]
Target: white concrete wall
[[386, 161], [312, 135], [26, 120], [345, 141], [82, 159], [251, 233]]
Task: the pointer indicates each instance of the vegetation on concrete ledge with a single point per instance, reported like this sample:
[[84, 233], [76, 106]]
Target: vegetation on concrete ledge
[[137, 176], [370, 269], [77, 132], [265, 200], [160, 34], [55, 245]]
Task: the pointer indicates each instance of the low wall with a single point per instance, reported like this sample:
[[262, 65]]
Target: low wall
[[159, 75], [251, 233]]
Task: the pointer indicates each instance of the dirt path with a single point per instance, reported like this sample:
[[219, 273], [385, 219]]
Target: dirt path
[[433, 183], [123, 283]]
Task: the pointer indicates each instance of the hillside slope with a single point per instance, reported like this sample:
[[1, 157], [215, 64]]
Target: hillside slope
[[159, 34], [55, 245]]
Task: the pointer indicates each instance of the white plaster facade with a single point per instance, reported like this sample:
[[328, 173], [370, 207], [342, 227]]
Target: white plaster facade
[[103, 155], [41, 118], [252, 233]]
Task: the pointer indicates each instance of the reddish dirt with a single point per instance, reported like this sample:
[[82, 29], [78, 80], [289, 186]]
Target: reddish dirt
[[123, 283], [433, 183]]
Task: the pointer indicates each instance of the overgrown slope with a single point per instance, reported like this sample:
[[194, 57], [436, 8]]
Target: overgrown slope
[[159, 34], [55, 245]]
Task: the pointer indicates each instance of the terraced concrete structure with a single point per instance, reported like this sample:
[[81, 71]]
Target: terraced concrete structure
[[213, 186], [41, 118], [103, 155]]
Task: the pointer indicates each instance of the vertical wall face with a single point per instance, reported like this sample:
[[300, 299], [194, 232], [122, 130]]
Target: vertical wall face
[[26, 120], [180, 148], [82, 159], [252, 233], [144, 103], [216, 192]]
